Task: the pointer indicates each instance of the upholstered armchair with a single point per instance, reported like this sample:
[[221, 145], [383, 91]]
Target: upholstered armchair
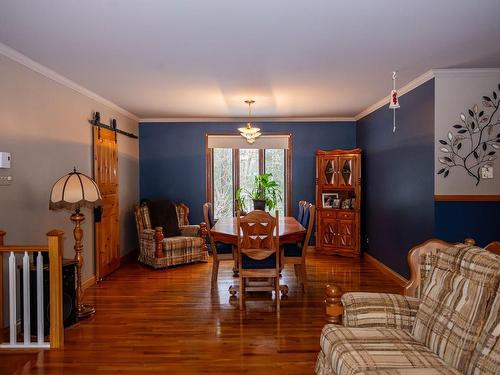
[[159, 252], [445, 323]]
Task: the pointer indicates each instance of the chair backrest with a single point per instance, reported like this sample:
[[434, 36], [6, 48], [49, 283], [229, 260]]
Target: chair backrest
[[142, 218], [208, 215], [421, 259], [258, 235], [301, 211], [311, 208], [306, 215], [455, 302]]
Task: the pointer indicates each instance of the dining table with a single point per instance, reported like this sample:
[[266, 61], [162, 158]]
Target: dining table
[[225, 230]]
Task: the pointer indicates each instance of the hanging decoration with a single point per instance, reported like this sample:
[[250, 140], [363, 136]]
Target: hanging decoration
[[249, 132], [394, 101]]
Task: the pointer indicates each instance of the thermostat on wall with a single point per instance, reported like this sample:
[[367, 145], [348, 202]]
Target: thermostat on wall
[[4, 159], [487, 171]]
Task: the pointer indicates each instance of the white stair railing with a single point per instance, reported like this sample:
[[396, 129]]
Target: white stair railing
[[54, 250]]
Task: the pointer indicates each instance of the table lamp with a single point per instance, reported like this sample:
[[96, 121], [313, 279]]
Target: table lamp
[[73, 192]]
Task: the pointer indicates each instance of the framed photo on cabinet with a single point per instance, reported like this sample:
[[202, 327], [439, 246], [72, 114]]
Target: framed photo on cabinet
[[328, 199]]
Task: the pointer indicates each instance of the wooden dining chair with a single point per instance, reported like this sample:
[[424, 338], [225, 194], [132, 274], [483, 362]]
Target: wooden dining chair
[[295, 253], [300, 215], [306, 214], [220, 251], [258, 251]]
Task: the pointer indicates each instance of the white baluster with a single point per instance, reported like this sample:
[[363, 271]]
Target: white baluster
[[12, 297], [26, 298], [39, 297]]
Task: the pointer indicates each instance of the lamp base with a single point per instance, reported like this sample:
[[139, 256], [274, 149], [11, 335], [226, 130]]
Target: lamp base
[[84, 311]]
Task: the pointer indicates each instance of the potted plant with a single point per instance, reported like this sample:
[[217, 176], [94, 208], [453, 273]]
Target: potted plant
[[265, 193], [240, 202]]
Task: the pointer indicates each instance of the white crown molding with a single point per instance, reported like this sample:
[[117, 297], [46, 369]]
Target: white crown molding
[[49, 73], [244, 119], [403, 90], [472, 71]]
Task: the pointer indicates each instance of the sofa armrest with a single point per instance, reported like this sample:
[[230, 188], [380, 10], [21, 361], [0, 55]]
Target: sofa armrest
[[190, 230], [363, 309]]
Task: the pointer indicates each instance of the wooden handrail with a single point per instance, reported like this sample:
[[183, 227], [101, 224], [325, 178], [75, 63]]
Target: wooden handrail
[[55, 251], [22, 248]]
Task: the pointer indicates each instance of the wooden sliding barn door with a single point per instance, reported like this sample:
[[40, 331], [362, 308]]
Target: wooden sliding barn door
[[107, 231]]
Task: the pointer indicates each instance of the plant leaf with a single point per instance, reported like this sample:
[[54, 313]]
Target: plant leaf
[[484, 146], [475, 154], [443, 142], [446, 158], [450, 136], [459, 146], [495, 146], [457, 126], [441, 171], [446, 173], [494, 94], [462, 117], [462, 131], [472, 125], [475, 108], [491, 153], [444, 149], [486, 98], [481, 114], [471, 113]]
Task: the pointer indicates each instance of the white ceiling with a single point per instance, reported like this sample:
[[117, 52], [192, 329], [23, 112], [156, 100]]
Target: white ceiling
[[310, 58]]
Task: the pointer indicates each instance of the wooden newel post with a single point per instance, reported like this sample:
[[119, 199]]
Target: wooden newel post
[[158, 236], [333, 305], [2, 235], [55, 240]]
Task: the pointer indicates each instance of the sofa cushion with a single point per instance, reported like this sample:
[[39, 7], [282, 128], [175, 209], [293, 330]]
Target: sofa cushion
[[486, 357], [454, 303], [347, 351]]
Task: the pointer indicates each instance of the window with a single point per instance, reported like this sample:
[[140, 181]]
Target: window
[[231, 164]]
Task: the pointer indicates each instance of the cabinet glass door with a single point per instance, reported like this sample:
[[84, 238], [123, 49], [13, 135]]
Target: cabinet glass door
[[346, 171], [330, 171]]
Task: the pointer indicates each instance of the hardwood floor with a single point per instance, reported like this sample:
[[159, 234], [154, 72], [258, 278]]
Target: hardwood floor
[[167, 321]]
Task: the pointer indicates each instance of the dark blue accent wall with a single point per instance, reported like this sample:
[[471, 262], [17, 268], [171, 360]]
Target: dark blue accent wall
[[398, 181], [172, 157], [458, 220]]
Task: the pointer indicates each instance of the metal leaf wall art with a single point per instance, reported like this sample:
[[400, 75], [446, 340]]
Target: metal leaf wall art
[[475, 141]]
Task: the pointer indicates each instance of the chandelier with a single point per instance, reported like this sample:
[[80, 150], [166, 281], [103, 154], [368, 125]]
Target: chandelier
[[249, 132]]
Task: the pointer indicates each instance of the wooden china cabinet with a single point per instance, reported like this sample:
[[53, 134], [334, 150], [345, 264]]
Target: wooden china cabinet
[[338, 201]]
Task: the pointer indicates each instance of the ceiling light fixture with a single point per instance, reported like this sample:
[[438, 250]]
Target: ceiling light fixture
[[249, 132]]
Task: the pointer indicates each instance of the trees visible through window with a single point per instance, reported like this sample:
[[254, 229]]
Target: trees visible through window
[[237, 168]]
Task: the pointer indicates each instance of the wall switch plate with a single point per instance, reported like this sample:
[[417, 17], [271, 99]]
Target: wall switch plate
[[487, 171], [5, 180]]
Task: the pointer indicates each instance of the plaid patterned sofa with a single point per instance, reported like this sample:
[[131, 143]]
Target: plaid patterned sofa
[[451, 327], [159, 252]]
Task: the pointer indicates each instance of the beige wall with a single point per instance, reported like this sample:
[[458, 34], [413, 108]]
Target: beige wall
[[44, 125]]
